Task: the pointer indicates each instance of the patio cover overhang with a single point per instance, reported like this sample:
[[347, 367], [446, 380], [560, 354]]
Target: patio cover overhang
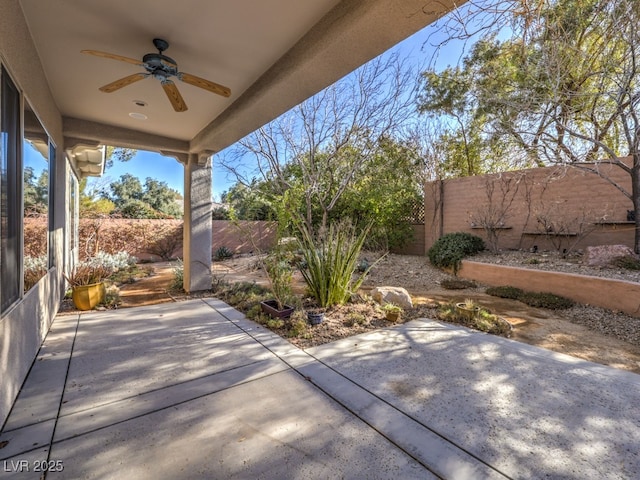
[[272, 55]]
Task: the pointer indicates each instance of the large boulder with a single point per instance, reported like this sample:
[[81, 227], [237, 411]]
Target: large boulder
[[604, 255], [396, 295]]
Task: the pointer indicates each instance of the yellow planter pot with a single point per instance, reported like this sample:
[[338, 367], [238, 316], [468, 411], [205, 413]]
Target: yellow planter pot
[[86, 297]]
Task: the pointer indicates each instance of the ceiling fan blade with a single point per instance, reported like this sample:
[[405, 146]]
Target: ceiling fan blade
[[123, 82], [113, 56], [174, 96], [206, 84]]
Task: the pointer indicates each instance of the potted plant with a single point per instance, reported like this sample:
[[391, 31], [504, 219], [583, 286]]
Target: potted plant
[[315, 316], [468, 309], [279, 273], [392, 311], [87, 285]]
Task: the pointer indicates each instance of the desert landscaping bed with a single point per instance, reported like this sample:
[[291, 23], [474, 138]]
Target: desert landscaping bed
[[583, 331]]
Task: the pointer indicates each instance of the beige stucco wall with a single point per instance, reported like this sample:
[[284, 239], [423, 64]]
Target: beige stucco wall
[[620, 295], [565, 194], [24, 326]]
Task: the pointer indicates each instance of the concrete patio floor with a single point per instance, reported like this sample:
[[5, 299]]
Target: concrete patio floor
[[195, 390]]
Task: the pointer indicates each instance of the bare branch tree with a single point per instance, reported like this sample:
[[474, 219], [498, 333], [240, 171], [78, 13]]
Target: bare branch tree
[[328, 138], [565, 85]]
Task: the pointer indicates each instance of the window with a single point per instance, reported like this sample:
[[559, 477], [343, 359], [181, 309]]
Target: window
[[11, 192], [36, 175]]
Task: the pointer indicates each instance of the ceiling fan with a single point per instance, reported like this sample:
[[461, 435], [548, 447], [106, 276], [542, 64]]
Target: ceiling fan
[[159, 66]]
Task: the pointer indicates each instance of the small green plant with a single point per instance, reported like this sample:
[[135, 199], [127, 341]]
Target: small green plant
[[392, 311], [531, 261], [512, 293], [178, 276], [450, 249], [222, 253], [482, 320], [546, 300], [469, 303], [533, 299], [279, 272], [253, 312], [457, 284], [354, 318], [297, 324], [218, 283], [628, 262], [111, 297], [391, 308], [275, 323]]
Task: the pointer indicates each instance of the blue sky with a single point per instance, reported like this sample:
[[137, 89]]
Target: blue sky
[[148, 164]]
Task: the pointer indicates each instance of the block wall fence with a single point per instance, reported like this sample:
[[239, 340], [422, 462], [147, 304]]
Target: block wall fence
[[551, 208], [136, 236]]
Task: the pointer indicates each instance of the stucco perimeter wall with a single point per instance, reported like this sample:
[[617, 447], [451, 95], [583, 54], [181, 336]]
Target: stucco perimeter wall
[[564, 196], [612, 294], [138, 236], [244, 236]]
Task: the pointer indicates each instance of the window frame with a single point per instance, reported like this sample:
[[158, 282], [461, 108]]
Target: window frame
[[11, 171]]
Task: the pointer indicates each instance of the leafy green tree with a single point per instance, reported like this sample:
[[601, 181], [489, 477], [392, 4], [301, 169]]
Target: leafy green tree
[[384, 195], [314, 152], [92, 206], [118, 154], [36, 191], [93, 201], [125, 189], [563, 87], [250, 202], [154, 199], [160, 197]]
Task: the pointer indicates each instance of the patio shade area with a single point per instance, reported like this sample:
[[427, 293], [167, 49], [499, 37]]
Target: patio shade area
[[195, 390]]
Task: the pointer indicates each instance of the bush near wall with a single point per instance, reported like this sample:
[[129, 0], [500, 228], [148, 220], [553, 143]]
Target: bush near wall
[[149, 239], [35, 236]]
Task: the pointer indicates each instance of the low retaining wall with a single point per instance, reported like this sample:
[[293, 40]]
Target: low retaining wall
[[618, 295]]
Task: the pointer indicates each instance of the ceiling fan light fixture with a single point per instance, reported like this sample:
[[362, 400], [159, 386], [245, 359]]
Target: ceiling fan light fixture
[[163, 69]]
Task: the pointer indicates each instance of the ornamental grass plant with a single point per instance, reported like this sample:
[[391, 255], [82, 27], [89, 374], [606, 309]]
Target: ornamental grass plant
[[87, 274], [330, 261]]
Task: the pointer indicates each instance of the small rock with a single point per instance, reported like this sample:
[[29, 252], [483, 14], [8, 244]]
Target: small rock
[[396, 295]]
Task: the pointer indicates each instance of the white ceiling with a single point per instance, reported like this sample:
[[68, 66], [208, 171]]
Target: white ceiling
[[238, 43]]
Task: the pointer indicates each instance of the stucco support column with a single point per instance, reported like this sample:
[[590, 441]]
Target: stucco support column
[[197, 222]]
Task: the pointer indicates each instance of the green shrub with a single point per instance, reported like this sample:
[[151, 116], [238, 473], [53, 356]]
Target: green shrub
[[533, 299], [450, 249], [457, 284], [482, 320], [354, 318], [222, 253], [254, 312], [628, 262], [546, 300], [297, 324], [275, 323], [178, 276], [111, 297], [505, 292], [531, 261], [280, 275]]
